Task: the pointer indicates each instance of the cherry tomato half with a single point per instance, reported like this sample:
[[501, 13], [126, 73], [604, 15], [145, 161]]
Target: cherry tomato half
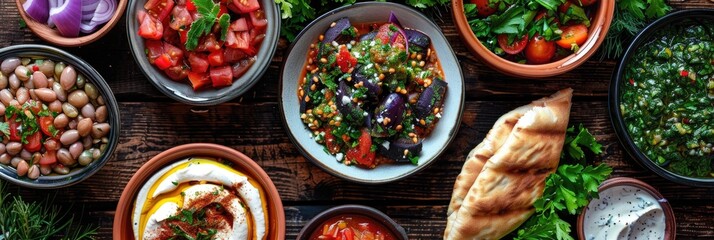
[[539, 51], [485, 7], [515, 47], [573, 36]]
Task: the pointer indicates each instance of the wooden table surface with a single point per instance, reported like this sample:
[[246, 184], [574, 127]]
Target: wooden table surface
[[151, 123]]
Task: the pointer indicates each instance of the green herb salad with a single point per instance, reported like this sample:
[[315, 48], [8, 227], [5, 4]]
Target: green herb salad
[[371, 93], [667, 99]]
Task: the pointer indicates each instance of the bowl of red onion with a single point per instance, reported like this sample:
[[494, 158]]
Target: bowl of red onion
[[71, 23]]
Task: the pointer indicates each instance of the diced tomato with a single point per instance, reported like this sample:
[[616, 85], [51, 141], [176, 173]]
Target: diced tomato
[[240, 25], [45, 123], [154, 49], [362, 154], [515, 47], [345, 60], [199, 80], [331, 141], [232, 7], [180, 18], [175, 54], [34, 142], [385, 34], [256, 36], [183, 36], [163, 62], [48, 158], [160, 9], [231, 40], [243, 40], [216, 59], [241, 67], [171, 36], [176, 73], [232, 55], [246, 6], [258, 20], [151, 28], [221, 76], [14, 128], [208, 44], [222, 10], [347, 234], [190, 6], [198, 62]]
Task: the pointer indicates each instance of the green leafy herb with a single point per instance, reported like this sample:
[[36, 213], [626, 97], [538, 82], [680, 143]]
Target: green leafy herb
[[629, 18], [208, 11], [5, 128], [22, 23], [567, 190], [224, 21]]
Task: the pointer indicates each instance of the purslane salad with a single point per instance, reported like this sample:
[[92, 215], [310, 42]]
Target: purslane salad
[[371, 92]]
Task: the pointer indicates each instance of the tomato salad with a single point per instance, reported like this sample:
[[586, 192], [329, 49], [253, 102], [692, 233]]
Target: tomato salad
[[348, 227], [371, 89], [530, 31], [209, 43]]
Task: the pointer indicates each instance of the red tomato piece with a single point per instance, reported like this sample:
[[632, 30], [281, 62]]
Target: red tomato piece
[[241, 67], [45, 123], [345, 60], [362, 154], [243, 40], [216, 59], [239, 25], [14, 127], [348, 234], [163, 62], [175, 54], [160, 9], [151, 28], [485, 7], [180, 18], [176, 73], [199, 80], [34, 142], [246, 6], [573, 36], [515, 47], [583, 3], [208, 43], [331, 141], [564, 7], [231, 40], [257, 36], [198, 62], [190, 6], [183, 36], [221, 76], [49, 158], [386, 32], [257, 19], [232, 55], [539, 51]]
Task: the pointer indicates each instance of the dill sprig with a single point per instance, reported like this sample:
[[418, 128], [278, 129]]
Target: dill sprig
[[629, 18], [21, 219]]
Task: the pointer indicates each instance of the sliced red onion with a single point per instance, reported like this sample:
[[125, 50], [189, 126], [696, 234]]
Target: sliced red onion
[[53, 4], [393, 19], [104, 11], [67, 17], [37, 9], [88, 9]]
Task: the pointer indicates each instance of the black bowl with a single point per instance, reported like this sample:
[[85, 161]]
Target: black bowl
[[644, 36], [368, 212]]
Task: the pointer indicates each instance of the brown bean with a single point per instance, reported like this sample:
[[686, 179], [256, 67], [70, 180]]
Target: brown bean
[[69, 137], [60, 169], [39, 80], [13, 148], [46, 95], [5, 97], [35, 158], [84, 127], [88, 111], [101, 114], [87, 142], [51, 145], [15, 104], [96, 153], [75, 149], [91, 91], [5, 158], [100, 100], [61, 121], [55, 106], [58, 69], [9, 64], [2, 148], [2, 109], [85, 158], [3, 81], [80, 81], [47, 68], [69, 110], [68, 78], [61, 93], [45, 169], [22, 95], [14, 161], [29, 84], [33, 172], [100, 130], [14, 82], [73, 123], [65, 158], [22, 73], [22, 168], [78, 98], [26, 155]]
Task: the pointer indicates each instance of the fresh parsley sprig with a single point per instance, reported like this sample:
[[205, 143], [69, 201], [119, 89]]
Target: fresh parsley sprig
[[208, 11]]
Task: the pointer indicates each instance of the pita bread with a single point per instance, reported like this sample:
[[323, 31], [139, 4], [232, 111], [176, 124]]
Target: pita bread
[[505, 174]]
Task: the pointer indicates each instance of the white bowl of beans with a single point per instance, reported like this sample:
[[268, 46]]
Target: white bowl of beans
[[59, 121]]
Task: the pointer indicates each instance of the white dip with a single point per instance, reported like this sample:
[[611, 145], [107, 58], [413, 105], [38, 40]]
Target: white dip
[[624, 212]]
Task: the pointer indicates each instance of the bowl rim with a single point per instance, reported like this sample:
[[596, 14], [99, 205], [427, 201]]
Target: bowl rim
[[600, 26], [378, 216], [74, 177], [670, 220], [304, 151], [239, 86], [124, 208], [52, 35], [614, 98]]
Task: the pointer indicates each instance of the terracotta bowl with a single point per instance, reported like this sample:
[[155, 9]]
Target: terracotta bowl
[[276, 216], [599, 26], [670, 222], [53, 36], [317, 222]]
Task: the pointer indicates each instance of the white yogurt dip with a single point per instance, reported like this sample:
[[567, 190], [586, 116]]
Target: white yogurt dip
[[624, 212]]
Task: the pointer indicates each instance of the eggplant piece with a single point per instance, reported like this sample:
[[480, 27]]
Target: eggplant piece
[[417, 38], [367, 37], [396, 149], [389, 113], [359, 75], [350, 111], [431, 96], [334, 33]]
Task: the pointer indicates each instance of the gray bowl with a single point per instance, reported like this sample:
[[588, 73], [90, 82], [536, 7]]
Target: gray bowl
[[371, 12], [80, 173], [316, 223], [182, 91]]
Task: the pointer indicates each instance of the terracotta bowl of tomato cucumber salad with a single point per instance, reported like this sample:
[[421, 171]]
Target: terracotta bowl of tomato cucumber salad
[[203, 52], [538, 40], [352, 222]]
